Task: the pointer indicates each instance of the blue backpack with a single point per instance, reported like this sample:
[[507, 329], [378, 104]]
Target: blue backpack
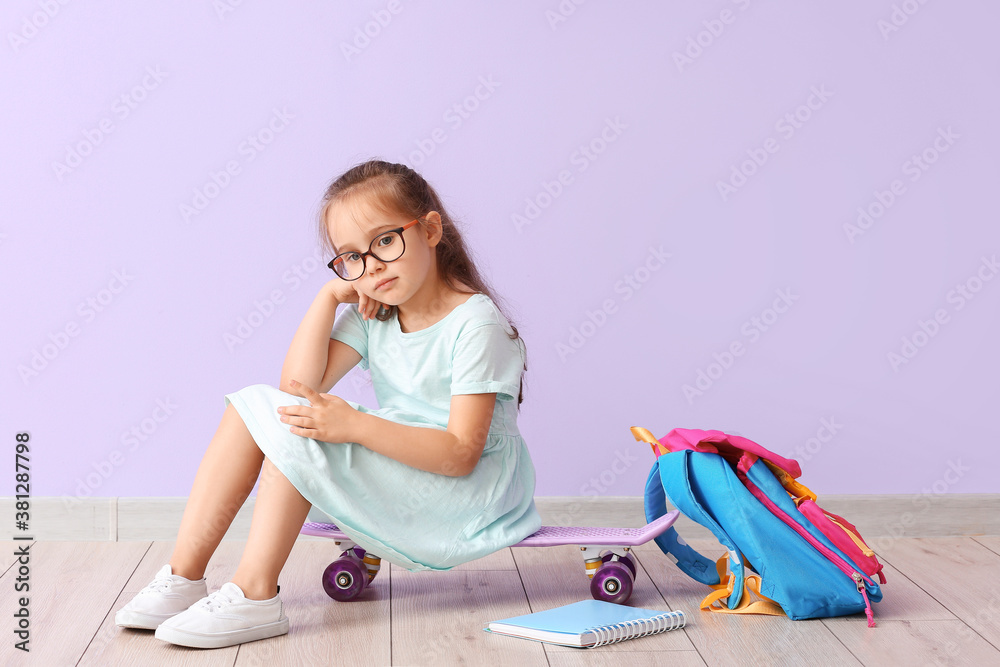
[[785, 555]]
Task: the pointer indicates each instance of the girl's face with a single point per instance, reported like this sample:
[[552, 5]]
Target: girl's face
[[355, 233]]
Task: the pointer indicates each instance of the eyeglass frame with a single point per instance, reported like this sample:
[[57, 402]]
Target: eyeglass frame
[[364, 263]]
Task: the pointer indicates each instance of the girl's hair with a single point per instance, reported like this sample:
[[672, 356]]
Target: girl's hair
[[395, 189]]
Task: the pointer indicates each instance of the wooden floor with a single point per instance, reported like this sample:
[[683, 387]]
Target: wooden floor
[[941, 606]]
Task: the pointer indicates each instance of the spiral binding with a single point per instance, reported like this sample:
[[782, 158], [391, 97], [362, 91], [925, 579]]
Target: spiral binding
[[609, 634]]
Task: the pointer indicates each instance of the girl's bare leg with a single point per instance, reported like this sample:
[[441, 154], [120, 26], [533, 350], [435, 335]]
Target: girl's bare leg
[[225, 478], [278, 516]]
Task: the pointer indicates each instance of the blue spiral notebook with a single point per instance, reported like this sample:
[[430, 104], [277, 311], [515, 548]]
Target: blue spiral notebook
[[588, 623]]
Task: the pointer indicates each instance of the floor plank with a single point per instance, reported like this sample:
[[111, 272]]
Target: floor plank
[[902, 600], [916, 643], [356, 632], [318, 626], [991, 542], [438, 618], [72, 585], [941, 606], [731, 639], [602, 657], [10, 550], [555, 576], [113, 645], [958, 572]]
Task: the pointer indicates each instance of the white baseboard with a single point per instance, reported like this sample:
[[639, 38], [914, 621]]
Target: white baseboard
[[158, 519]]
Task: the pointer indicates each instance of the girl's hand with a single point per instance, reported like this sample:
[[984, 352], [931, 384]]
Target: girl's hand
[[344, 291], [327, 418]]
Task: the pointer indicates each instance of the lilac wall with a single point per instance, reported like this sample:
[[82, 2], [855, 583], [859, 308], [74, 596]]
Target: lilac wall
[[715, 154]]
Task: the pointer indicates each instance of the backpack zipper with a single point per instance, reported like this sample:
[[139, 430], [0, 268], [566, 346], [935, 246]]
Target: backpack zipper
[[861, 545], [830, 555], [861, 589]]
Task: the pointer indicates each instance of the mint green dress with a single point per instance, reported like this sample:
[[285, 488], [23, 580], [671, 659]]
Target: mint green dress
[[416, 519]]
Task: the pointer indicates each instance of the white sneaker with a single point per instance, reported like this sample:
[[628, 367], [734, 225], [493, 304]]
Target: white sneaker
[[223, 618], [167, 595]]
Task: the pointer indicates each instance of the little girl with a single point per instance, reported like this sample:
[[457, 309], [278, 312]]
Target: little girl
[[437, 476]]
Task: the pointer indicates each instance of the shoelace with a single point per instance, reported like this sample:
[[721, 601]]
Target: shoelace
[[157, 585], [214, 600]]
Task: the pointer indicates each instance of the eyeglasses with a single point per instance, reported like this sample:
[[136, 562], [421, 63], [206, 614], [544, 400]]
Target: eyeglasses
[[350, 265]]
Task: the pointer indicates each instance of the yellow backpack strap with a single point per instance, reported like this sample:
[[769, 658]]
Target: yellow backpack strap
[[751, 602], [642, 435], [795, 489]]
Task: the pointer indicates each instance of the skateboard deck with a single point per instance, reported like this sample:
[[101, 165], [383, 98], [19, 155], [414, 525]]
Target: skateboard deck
[[611, 570], [551, 536]]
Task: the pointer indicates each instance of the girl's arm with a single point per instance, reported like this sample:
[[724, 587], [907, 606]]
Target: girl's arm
[[453, 452], [308, 354]]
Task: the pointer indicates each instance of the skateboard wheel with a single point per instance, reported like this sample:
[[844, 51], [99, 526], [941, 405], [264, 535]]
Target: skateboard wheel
[[629, 561], [345, 578], [612, 583]]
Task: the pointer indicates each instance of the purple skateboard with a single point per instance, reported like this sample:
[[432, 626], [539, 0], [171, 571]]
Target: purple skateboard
[[611, 570]]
